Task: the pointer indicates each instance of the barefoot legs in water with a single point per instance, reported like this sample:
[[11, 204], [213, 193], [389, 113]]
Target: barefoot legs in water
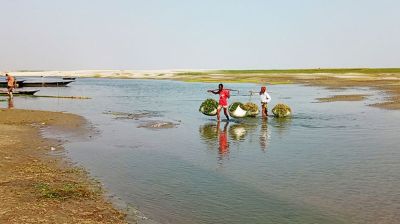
[[225, 112]]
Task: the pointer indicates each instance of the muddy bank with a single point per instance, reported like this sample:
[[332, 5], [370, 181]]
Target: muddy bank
[[36, 187]]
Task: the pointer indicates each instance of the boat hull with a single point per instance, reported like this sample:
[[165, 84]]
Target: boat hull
[[46, 84], [3, 84], [20, 92]]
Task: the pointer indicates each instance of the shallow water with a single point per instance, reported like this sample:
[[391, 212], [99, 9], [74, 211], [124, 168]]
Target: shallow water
[[331, 163]]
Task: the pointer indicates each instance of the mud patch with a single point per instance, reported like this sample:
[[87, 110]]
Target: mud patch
[[158, 125], [133, 116], [335, 98]]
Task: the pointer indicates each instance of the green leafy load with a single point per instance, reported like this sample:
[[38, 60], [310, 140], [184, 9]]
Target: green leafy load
[[234, 106], [281, 110], [251, 108], [209, 107]]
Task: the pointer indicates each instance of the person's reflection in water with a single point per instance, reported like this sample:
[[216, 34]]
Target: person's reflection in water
[[264, 135], [10, 103], [223, 140], [209, 135]]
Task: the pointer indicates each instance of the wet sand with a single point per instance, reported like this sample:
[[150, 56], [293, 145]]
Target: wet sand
[[37, 187]]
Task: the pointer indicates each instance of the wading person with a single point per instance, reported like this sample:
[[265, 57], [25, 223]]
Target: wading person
[[10, 84], [224, 94], [265, 99]]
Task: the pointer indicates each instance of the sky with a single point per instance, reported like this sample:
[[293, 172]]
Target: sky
[[198, 34]]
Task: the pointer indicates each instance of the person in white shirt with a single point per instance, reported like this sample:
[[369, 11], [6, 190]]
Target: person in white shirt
[[265, 99]]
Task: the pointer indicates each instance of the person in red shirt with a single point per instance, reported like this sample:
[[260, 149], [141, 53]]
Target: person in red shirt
[[224, 94], [10, 84]]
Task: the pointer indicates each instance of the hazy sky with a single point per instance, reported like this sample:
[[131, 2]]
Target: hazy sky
[[198, 34]]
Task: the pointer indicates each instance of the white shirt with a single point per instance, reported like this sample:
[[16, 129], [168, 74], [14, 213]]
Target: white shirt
[[265, 98]]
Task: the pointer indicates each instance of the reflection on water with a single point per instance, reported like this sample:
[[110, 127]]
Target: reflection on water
[[281, 124], [217, 136], [223, 146], [10, 103], [264, 135], [209, 134]]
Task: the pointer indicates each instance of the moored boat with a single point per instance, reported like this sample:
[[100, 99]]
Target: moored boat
[[3, 84], [46, 84], [68, 78], [20, 92]]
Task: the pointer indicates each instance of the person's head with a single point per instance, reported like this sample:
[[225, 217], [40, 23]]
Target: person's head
[[263, 89], [220, 86], [6, 74]]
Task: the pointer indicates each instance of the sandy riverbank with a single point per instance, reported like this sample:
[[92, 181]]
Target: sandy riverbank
[[385, 79], [36, 187]]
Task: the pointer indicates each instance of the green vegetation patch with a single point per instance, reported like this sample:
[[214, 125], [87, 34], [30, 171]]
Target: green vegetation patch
[[316, 70], [208, 106], [249, 106], [281, 110], [64, 191]]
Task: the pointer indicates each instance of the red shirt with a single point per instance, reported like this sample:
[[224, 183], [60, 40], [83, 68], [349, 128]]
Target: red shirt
[[223, 97]]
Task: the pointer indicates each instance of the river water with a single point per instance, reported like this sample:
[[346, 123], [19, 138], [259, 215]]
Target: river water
[[330, 163]]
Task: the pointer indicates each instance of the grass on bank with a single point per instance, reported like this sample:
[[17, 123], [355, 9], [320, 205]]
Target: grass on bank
[[64, 191], [313, 71]]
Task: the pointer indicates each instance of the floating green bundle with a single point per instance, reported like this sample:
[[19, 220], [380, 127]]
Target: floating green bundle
[[209, 107], [281, 110]]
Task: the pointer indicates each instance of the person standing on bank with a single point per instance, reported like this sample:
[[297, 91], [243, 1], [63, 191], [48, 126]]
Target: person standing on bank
[[224, 94], [265, 99], [10, 84]]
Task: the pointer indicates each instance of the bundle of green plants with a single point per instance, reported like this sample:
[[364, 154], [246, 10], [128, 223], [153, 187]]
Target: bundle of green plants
[[234, 106], [251, 109], [249, 106], [281, 110], [209, 107]]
